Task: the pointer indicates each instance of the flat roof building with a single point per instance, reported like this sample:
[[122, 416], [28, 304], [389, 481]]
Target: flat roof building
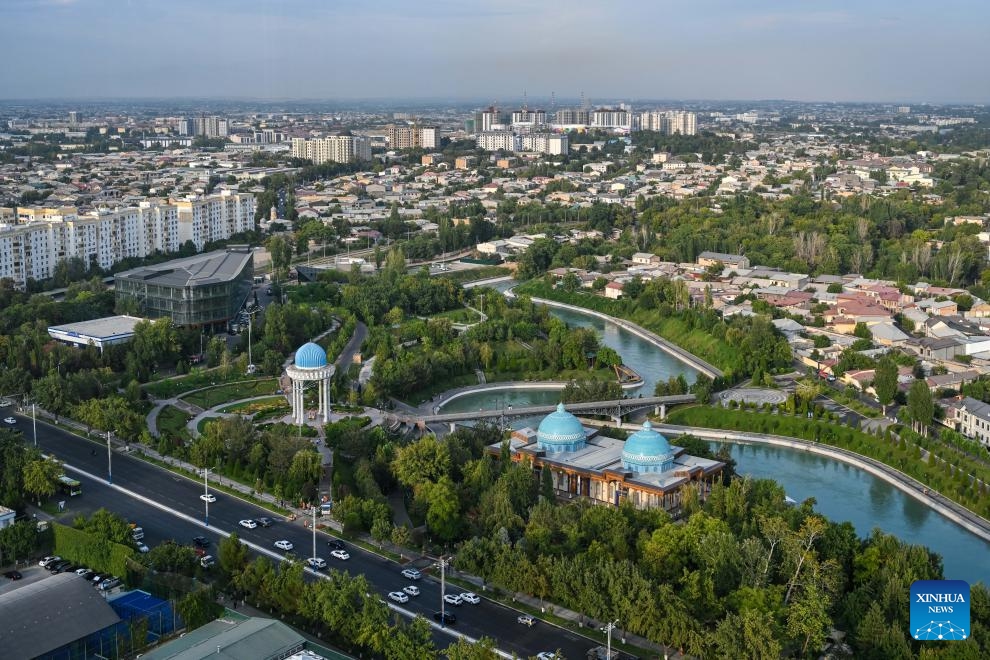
[[227, 639], [206, 289], [103, 332]]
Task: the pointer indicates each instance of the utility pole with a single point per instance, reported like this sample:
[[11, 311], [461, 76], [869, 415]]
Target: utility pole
[[109, 461], [443, 590], [206, 492], [34, 422], [314, 534], [609, 627]]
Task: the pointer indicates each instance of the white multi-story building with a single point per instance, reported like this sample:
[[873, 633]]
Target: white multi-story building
[[669, 122], [498, 141], [526, 117], [333, 149], [612, 118], [408, 137], [211, 127], [544, 143], [106, 236]]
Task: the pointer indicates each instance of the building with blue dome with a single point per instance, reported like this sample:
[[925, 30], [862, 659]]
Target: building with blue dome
[[309, 366], [560, 431], [645, 469]]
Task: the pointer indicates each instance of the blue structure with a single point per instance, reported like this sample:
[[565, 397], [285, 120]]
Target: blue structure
[[310, 356], [647, 451], [560, 431]]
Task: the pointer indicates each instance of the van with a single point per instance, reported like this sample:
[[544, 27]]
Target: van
[[207, 561]]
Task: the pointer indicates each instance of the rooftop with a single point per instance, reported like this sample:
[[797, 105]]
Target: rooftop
[[50, 613], [226, 639], [106, 328], [207, 268]]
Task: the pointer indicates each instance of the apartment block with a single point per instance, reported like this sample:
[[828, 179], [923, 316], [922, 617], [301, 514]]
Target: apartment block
[[498, 141], [409, 137], [32, 249], [333, 149], [544, 143], [669, 122]]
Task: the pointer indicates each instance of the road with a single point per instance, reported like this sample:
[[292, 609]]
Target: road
[[183, 516]]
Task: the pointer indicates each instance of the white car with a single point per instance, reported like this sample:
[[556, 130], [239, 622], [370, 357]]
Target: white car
[[49, 560], [526, 619], [453, 599], [284, 545], [470, 597], [143, 549], [9, 420], [549, 655], [82, 571], [412, 590], [411, 573], [250, 524], [316, 563], [208, 497], [340, 554], [398, 597]]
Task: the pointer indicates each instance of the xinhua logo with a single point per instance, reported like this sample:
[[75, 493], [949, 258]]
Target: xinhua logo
[[940, 609]]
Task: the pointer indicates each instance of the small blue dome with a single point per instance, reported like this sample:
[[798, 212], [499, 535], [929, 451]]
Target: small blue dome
[[647, 451], [311, 356], [560, 431]]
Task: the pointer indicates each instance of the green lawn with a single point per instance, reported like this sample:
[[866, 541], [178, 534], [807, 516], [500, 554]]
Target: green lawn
[[172, 421], [166, 389], [252, 407], [233, 392], [462, 315]]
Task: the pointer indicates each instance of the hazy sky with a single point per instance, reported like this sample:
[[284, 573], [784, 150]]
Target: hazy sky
[[841, 50]]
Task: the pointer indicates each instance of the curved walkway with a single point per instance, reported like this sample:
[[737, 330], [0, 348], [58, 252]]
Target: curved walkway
[[193, 424], [690, 359], [953, 511], [190, 409]]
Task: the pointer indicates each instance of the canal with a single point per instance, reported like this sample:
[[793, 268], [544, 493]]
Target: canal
[[842, 492]]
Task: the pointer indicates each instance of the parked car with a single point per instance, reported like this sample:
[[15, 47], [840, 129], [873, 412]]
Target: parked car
[[412, 590], [250, 524], [48, 561], [549, 655], [469, 597], [110, 583], [317, 563], [411, 573], [340, 554], [444, 617], [207, 561], [284, 545], [13, 575], [398, 596], [58, 566], [88, 575], [143, 549], [265, 522], [526, 620], [82, 570], [452, 599], [201, 542]]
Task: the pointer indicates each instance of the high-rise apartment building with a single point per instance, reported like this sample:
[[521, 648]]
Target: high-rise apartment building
[[669, 122], [333, 149], [526, 117], [211, 127], [490, 119], [410, 137], [544, 143], [612, 118], [572, 117], [104, 237], [498, 141]]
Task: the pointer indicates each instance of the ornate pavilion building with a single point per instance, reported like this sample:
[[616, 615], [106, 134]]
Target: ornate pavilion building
[[310, 366], [645, 469]]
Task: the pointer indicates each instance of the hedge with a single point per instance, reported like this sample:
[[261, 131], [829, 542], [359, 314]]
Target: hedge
[[90, 550]]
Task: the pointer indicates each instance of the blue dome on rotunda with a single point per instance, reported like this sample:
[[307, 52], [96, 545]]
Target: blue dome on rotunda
[[311, 356], [647, 451], [560, 431]]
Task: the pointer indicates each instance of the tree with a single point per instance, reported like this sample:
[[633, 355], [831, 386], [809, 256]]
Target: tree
[[885, 382], [232, 555], [198, 608], [421, 462], [920, 407], [41, 477], [281, 252]]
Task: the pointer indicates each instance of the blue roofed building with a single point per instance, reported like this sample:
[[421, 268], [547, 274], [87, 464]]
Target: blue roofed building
[[645, 469]]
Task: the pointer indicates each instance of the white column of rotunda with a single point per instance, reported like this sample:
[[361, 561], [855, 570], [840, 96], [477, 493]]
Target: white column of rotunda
[[310, 365]]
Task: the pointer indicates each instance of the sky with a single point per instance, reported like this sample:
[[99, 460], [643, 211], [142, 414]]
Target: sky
[[804, 50]]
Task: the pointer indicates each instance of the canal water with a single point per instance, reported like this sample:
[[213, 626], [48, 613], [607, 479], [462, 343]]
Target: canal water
[[841, 492]]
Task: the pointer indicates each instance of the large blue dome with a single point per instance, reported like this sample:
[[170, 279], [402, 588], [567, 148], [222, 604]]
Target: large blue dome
[[560, 431], [647, 451], [311, 356]]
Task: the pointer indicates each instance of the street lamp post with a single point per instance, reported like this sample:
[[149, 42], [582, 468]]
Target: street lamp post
[[109, 461], [314, 534], [34, 422], [609, 627], [443, 590], [206, 492]]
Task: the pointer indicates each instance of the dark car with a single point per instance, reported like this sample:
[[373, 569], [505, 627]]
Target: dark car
[[264, 522], [444, 617], [201, 542], [336, 544], [13, 575], [59, 567], [88, 575]]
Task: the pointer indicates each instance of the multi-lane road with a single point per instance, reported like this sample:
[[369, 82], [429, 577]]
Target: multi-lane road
[[168, 506]]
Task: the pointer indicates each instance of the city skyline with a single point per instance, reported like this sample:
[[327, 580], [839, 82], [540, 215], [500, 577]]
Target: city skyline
[[260, 49]]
